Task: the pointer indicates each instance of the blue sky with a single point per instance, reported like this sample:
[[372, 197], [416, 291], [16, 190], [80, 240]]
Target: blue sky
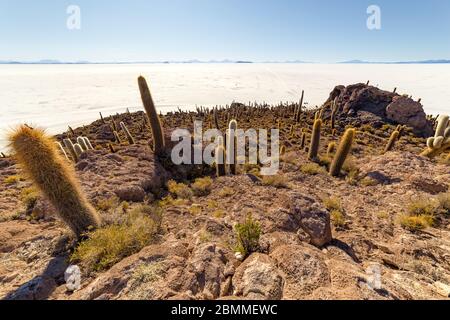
[[257, 30]]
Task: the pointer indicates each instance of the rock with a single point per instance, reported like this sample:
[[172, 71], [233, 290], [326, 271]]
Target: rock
[[304, 270], [39, 288], [239, 256], [132, 193], [208, 264], [258, 278], [314, 220], [105, 133], [72, 276], [368, 104], [404, 110], [442, 289]]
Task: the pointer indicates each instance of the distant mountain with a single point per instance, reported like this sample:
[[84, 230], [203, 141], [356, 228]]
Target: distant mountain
[[397, 62]]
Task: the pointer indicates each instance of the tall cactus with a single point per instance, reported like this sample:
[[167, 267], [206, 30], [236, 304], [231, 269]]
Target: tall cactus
[[298, 113], [392, 140], [342, 152], [232, 147], [127, 133], [334, 110], [315, 140], [37, 154], [152, 115]]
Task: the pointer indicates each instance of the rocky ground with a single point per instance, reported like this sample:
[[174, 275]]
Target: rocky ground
[[321, 237]]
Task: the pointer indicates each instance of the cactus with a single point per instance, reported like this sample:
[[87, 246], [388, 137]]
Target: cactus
[[101, 117], [342, 152], [392, 140], [88, 143], [117, 137], [331, 148], [71, 131], [334, 110], [220, 160], [78, 150], [441, 140], [216, 119], [298, 114], [82, 143], [127, 133], [111, 148], [69, 145], [152, 115], [303, 141], [114, 124], [315, 140], [232, 154], [39, 157], [62, 150]]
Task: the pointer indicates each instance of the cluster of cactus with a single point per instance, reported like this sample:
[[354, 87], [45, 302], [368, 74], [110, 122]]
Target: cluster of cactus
[[441, 140], [152, 116], [76, 150], [37, 153]]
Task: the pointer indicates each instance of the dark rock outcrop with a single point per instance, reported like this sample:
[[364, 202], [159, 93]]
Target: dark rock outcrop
[[372, 105]]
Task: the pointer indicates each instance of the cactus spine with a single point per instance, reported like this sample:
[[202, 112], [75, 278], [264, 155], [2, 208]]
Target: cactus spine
[[342, 152], [127, 133], [315, 140], [152, 115], [38, 155], [390, 145]]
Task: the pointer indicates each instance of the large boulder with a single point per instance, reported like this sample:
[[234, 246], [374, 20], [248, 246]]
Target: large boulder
[[367, 104], [406, 111], [258, 279], [313, 219], [303, 268]]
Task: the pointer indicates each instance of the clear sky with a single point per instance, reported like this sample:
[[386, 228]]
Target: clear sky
[[257, 30]]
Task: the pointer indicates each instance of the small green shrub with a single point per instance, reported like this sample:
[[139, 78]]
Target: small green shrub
[[247, 234], [202, 186], [180, 190], [312, 169], [276, 181], [338, 218], [108, 245], [29, 196], [11, 180], [226, 192]]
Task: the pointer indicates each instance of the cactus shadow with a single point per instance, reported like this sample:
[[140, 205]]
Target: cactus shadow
[[346, 248], [42, 286]]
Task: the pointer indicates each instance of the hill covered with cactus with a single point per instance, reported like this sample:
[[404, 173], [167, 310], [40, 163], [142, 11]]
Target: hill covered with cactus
[[359, 209]]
